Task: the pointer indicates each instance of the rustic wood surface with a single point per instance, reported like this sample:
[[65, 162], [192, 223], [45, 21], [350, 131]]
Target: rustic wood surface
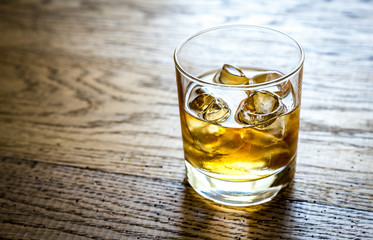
[[90, 143]]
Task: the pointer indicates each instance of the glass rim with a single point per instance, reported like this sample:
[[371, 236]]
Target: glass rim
[[256, 85]]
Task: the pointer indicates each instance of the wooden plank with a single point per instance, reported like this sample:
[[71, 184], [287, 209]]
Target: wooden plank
[[59, 202]]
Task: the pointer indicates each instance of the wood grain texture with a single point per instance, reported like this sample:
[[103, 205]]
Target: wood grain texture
[[90, 143], [59, 202]]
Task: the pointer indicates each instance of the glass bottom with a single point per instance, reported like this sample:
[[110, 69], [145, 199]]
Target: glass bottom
[[240, 193]]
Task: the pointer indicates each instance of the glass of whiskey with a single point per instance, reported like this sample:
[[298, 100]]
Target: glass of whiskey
[[239, 89]]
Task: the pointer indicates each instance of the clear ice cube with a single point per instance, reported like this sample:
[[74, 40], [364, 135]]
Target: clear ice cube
[[277, 128], [218, 111], [200, 104], [211, 138], [259, 109], [209, 107], [265, 77], [284, 89], [231, 75]]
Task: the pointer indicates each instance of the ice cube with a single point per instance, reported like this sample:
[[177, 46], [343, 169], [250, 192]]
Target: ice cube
[[257, 139], [284, 89], [265, 77], [278, 128], [200, 103], [218, 111], [265, 146], [212, 138], [209, 108], [231, 75], [259, 109]]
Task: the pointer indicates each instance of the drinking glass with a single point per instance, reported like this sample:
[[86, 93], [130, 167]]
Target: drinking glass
[[239, 89]]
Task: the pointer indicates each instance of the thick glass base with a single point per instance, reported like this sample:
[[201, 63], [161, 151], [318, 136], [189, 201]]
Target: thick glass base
[[240, 193]]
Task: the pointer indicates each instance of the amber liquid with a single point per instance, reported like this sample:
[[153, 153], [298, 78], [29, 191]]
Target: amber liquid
[[238, 152]]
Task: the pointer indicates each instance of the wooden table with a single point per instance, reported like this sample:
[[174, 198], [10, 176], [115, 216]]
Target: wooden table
[[90, 144]]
